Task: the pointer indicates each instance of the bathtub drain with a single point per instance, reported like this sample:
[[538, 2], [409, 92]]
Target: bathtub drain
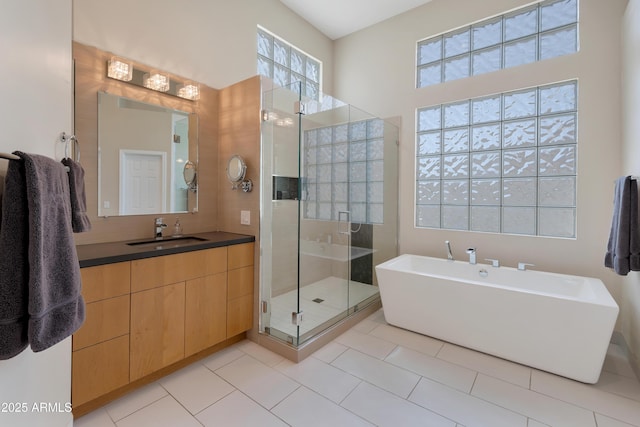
[[318, 300]]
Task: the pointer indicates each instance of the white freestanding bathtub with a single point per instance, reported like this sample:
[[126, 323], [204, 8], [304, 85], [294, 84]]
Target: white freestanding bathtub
[[553, 322]]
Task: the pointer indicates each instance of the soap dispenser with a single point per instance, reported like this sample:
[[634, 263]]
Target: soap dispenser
[[177, 228]]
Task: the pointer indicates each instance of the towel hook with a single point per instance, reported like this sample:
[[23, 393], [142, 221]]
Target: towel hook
[[67, 140]]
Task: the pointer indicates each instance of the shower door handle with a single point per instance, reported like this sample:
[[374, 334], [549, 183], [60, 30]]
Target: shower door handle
[[344, 216]]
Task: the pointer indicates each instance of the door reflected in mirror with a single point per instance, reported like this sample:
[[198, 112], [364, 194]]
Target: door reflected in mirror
[[143, 153]]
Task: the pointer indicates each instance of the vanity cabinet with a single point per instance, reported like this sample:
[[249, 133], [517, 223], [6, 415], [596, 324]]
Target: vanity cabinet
[[148, 314], [100, 357]]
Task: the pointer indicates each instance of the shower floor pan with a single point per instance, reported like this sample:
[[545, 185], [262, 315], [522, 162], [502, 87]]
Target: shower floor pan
[[332, 291]]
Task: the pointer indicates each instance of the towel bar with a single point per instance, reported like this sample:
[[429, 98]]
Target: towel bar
[[9, 156], [14, 157]]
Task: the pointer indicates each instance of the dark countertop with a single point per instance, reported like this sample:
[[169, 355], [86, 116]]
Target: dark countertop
[[108, 253]]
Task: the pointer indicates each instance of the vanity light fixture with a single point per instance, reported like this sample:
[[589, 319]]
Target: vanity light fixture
[[120, 69], [156, 80], [139, 75], [189, 90]]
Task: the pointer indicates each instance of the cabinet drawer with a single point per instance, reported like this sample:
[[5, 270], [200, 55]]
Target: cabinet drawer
[[240, 255], [165, 270], [99, 369], [105, 281], [104, 320], [240, 282]]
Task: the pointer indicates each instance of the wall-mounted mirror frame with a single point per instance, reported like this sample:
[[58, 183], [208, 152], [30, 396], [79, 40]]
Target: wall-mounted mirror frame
[[142, 152]]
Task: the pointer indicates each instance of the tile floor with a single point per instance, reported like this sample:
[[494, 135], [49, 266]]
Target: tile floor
[[375, 374]]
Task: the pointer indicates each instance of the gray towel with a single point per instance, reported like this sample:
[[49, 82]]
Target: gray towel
[[54, 305], [623, 248], [79, 219], [14, 267]]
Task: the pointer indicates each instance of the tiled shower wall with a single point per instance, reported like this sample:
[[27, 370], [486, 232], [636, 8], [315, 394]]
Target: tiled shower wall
[[344, 171]]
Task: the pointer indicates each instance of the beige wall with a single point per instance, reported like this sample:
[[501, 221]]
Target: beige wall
[[90, 78], [239, 133], [376, 69], [631, 162], [210, 41]]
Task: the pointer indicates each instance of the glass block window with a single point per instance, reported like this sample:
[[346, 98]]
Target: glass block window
[[545, 30], [503, 163], [286, 64], [344, 171]]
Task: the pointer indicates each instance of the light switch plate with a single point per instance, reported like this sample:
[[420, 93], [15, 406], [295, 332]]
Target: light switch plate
[[245, 217]]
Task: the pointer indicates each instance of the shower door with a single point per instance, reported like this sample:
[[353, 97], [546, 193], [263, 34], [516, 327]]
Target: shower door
[[329, 211], [305, 243]]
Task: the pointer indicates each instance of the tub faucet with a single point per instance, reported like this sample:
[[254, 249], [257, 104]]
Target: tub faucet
[[522, 266], [159, 226], [449, 254], [494, 262], [472, 255]]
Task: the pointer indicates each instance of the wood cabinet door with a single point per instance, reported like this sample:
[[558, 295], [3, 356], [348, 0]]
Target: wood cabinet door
[[206, 312], [240, 282], [157, 329], [99, 369], [240, 289], [239, 315]]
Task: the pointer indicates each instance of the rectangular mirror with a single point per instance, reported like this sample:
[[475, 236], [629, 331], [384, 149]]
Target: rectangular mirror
[[142, 153]]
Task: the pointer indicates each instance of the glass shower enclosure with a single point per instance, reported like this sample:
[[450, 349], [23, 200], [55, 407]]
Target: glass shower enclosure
[[328, 211]]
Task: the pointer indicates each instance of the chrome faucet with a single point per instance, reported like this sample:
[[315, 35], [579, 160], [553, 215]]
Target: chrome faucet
[[449, 254], [494, 262], [522, 266], [159, 226], [472, 255]]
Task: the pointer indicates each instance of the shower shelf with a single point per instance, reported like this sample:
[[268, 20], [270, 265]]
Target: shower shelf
[[332, 251]]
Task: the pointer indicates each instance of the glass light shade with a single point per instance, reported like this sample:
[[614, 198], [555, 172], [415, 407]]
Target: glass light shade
[[189, 91], [120, 69], [156, 80]]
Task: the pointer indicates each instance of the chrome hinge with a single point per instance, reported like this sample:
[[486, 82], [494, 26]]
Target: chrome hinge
[[298, 108], [264, 115], [264, 306], [296, 318]]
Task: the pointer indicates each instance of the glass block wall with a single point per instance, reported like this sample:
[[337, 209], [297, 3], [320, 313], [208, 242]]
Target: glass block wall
[[286, 64], [546, 30], [344, 171], [504, 163]]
